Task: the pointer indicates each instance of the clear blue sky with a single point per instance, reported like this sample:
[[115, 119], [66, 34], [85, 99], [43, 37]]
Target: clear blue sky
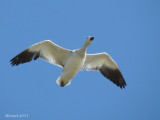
[[127, 30]]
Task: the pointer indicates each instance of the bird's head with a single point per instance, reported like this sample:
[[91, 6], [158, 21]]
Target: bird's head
[[90, 38]]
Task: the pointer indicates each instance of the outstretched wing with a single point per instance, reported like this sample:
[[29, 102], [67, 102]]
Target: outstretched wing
[[46, 50], [106, 65]]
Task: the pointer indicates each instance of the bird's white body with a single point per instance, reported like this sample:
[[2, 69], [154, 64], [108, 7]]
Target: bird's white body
[[72, 66]]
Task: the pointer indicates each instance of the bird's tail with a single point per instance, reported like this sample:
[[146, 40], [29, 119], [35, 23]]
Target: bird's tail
[[62, 82]]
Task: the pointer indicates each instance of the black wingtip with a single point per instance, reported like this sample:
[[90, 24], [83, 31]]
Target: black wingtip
[[114, 75], [122, 84], [23, 57]]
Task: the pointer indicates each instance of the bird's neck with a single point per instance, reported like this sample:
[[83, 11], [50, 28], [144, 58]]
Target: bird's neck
[[84, 47]]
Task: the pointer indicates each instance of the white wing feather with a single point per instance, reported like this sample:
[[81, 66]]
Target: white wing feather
[[46, 50], [106, 65]]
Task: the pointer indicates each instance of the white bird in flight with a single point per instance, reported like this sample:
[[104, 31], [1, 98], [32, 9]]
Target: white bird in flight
[[72, 61]]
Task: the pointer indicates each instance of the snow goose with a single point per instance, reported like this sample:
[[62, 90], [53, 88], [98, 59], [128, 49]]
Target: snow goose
[[72, 61]]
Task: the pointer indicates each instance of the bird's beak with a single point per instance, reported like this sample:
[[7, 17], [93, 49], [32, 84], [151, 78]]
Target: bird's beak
[[91, 38]]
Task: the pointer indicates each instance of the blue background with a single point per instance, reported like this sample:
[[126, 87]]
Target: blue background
[[127, 30]]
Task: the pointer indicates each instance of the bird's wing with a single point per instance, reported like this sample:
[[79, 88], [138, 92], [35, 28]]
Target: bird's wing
[[106, 65], [46, 50]]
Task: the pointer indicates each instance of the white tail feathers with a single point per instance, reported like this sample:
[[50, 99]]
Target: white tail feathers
[[62, 82]]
